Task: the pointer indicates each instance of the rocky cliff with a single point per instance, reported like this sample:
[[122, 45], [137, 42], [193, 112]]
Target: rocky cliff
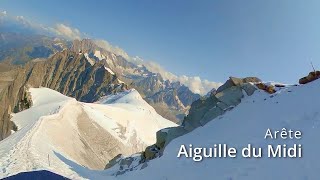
[[67, 72]]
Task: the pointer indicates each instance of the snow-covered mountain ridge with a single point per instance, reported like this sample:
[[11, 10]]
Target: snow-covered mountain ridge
[[85, 133]]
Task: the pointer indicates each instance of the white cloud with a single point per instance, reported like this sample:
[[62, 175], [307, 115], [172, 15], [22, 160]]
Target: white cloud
[[195, 84], [20, 18], [23, 24], [114, 49], [3, 13], [27, 23], [67, 31], [59, 29], [198, 85]]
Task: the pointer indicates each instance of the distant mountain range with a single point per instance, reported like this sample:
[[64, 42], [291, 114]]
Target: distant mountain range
[[170, 99], [20, 48]]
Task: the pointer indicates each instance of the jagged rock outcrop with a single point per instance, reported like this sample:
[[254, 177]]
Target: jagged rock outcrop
[[204, 110], [13, 99], [68, 72], [7, 98], [233, 81], [226, 97], [311, 77], [24, 100]]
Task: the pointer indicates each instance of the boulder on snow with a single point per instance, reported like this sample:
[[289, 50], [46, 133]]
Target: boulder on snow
[[151, 152], [311, 77], [267, 88]]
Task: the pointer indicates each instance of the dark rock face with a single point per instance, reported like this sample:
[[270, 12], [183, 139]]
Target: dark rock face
[[14, 98], [71, 74], [68, 72], [24, 100]]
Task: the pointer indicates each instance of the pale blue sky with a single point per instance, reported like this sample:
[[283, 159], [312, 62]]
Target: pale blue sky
[[274, 39]]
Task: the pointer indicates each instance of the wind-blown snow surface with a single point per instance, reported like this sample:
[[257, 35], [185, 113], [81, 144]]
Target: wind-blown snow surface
[[294, 108], [62, 135]]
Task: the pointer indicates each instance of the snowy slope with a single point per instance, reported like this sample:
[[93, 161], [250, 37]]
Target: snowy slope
[[62, 135], [294, 108], [130, 111]]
